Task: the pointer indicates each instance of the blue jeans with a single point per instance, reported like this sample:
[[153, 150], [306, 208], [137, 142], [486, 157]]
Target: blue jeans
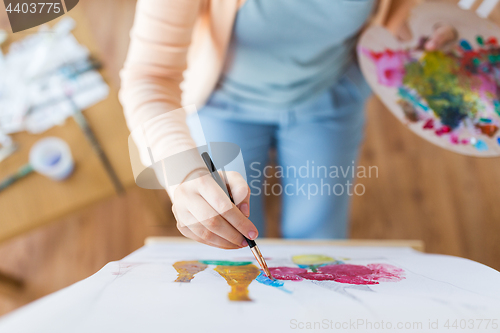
[[317, 145]]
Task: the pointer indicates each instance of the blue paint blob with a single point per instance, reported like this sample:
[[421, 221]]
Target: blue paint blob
[[465, 45], [498, 140], [262, 278], [481, 145], [412, 99], [497, 107]]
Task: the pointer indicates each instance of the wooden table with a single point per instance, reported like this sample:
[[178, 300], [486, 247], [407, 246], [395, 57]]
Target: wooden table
[[414, 244], [36, 200]]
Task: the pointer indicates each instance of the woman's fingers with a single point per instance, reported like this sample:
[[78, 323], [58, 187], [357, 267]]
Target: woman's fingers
[[241, 223], [218, 199], [205, 213], [240, 191], [191, 228], [214, 222], [210, 238], [442, 35], [220, 243]]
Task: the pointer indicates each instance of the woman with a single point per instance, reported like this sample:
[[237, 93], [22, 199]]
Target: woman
[[263, 73]]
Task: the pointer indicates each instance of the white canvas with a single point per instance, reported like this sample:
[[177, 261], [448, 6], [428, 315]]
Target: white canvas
[[138, 294]]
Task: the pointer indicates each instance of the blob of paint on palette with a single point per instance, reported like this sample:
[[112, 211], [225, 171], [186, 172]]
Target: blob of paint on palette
[[451, 96]]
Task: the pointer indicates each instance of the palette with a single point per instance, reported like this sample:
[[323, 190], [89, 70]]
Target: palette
[[450, 97]]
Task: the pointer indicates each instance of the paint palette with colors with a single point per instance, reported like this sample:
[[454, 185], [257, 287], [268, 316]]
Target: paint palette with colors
[[450, 97]]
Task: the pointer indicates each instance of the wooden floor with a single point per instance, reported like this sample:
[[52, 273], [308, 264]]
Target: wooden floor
[[422, 192]]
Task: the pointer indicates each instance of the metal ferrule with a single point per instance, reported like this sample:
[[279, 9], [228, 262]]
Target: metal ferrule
[[260, 259]]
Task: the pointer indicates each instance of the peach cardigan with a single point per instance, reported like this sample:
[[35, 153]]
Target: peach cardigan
[[178, 43]]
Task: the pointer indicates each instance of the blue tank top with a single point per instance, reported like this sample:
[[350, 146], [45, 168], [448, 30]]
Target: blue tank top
[[284, 52]]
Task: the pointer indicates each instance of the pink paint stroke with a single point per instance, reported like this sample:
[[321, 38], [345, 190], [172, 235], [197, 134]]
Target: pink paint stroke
[[345, 273], [287, 273]]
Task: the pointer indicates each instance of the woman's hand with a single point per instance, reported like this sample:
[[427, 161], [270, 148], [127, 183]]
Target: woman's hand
[[442, 36], [206, 214]]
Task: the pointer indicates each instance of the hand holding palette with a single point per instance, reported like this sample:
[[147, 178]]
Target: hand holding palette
[[450, 97]]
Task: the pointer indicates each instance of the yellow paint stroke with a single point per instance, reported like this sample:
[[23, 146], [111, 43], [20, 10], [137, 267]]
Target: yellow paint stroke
[[239, 278], [312, 259], [187, 269]]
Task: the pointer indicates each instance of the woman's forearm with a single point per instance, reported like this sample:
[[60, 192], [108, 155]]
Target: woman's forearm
[[153, 71], [393, 13]]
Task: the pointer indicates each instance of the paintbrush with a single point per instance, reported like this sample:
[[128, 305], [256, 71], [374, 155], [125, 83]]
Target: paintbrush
[[89, 134], [21, 173], [224, 185]]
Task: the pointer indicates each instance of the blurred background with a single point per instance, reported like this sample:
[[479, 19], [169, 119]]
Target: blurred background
[[53, 234]]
